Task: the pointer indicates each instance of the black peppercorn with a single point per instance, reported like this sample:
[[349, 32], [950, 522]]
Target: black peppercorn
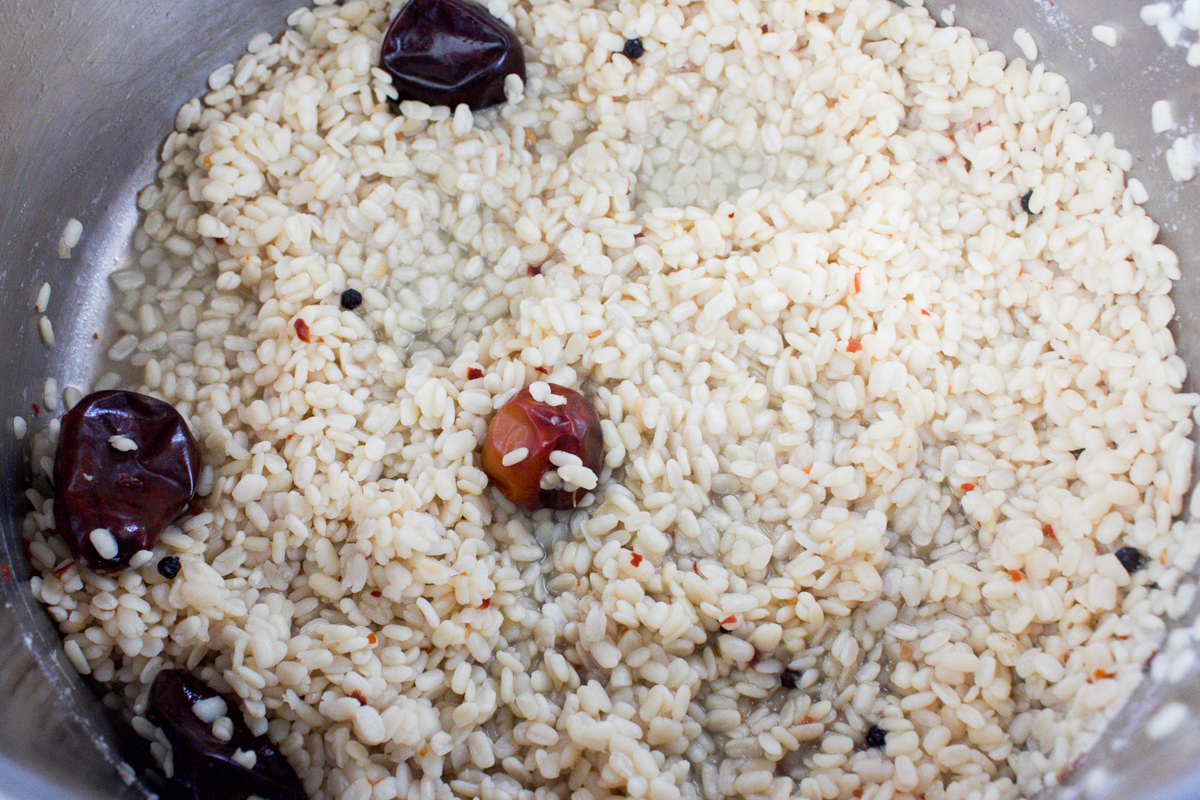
[[634, 49], [788, 678], [169, 566], [1025, 201], [876, 737], [351, 299], [1131, 559]]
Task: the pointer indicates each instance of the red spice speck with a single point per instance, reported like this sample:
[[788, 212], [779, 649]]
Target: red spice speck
[[372, 638], [487, 601], [474, 373], [924, 312], [376, 593], [62, 568], [853, 346], [302, 330], [1048, 530], [533, 269], [731, 213], [857, 282], [968, 487], [36, 409], [1015, 576], [635, 559], [1102, 674], [5, 572], [359, 696], [542, 370], [730, 620]]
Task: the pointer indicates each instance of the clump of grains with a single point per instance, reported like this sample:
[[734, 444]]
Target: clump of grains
[[873, 434], [1024, 40]]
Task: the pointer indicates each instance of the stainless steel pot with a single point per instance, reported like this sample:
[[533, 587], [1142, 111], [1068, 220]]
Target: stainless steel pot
[[88, 89]]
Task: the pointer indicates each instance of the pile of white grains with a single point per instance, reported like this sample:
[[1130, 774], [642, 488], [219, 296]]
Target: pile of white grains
[[873, 431]]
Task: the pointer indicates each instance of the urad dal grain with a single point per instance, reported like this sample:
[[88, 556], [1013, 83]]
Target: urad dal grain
[[864, 417]]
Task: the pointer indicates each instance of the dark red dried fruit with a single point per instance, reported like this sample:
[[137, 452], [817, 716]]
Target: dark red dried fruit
[[132, 494], [446, 52], [541, 428], [205, 768]]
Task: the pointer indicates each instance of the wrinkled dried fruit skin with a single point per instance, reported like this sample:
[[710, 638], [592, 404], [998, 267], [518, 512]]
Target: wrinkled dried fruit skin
[[204, 765], [446, 52], [542, 428], [133, 494]]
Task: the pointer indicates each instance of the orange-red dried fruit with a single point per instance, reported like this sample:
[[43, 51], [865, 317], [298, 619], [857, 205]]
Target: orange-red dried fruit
[[535, 425]]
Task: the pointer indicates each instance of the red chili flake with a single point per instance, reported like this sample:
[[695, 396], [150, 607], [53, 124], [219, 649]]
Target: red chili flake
[[730, 620], [853, 346], [731, 213], [533, 269], [95, 336], [1015, 575], [1102, 674], [542, 370], [376, 593], [1048, 530], [487, 601], [474, 373], [635, 559], [62, 568], [941, 159], [5, 572], [923, 311], [968, 487], [302, 330], [765, 28], [857, 282], [359, 696], [372, 638], [36, 409], [196, 507]]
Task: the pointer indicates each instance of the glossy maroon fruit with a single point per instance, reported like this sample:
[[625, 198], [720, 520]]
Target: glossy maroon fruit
[[573, 427], [204, 766], [446, 52], [133, 494]]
